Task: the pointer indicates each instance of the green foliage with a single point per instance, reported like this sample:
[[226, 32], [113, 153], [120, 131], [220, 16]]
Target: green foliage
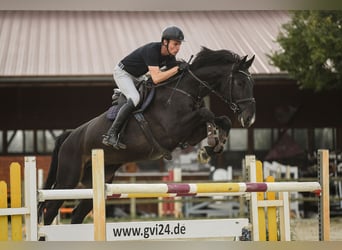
[[312, 49]]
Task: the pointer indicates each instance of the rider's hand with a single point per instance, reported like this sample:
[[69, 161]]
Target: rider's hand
[[183, 66]]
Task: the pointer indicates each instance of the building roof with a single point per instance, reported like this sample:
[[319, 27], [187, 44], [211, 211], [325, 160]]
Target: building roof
[[68, 43]]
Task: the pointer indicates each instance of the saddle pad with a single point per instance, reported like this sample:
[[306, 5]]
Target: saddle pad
[[112, 112]]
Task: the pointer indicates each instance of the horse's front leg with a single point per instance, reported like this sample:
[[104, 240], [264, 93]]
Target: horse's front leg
[[216, 140], [190, 123], [198, 122], [223, 125], [198, 116], [197, 135]]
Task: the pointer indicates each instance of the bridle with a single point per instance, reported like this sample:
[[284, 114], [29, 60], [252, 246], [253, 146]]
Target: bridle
[[233, 104]]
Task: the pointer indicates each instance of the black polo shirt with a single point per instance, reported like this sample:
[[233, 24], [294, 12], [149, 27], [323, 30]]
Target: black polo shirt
[[137, 62]]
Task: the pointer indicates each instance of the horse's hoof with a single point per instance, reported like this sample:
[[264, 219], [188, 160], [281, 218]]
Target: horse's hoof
[[203, 156], [167, 156]]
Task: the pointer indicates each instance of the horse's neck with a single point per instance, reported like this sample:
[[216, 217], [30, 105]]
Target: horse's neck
[[199, 82]]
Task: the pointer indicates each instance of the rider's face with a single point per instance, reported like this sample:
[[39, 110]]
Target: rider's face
[[174, 47]]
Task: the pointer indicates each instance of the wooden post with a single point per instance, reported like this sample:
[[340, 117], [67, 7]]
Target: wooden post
[[177, 177], [99, 206], [133, 202], [324, 206], [15, 188], [271, 214], [253, 208], [30, 184], [261, 197], [3, 219], [284, 217]]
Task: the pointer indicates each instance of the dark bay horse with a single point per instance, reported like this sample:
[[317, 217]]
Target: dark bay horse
[[175, 116]]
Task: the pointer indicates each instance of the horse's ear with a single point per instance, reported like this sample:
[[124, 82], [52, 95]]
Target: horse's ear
[[240, 65], [249, 62], [243, 60], [246, 64]]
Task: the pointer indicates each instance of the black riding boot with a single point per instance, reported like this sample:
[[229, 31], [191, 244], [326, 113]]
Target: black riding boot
[[112, 136]]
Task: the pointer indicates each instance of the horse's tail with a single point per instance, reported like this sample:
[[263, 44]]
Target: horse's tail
[[51, 178]]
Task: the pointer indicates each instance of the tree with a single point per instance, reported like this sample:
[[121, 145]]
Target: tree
[[311, 49]]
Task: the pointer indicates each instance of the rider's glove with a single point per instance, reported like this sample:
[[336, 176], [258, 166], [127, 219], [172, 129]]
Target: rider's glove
[[183, 66]]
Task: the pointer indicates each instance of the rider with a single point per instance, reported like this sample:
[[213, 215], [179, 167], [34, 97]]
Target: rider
[[149, 58]]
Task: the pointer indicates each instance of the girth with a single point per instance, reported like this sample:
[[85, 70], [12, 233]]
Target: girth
[[156, 148]]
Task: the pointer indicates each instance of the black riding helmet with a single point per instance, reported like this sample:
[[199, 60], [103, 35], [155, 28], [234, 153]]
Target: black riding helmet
[[173, 33]]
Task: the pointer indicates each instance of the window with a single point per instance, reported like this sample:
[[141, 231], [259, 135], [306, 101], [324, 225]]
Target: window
[[20, 141], [28, 141], [238, 139], [324, 138], [301, 137], [46, 140], [15, 141], [262, 139]]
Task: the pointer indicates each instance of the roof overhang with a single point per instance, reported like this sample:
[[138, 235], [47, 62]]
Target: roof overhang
[[40, 43], [163, 5]]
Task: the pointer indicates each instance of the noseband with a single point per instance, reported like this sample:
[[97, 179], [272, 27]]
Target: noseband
[[233, 104]]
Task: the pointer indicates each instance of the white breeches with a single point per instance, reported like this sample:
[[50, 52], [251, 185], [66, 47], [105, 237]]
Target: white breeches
[[126, 83]]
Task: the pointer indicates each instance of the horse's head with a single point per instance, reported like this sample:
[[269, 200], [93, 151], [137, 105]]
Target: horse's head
[[226, 74], [239, 92]]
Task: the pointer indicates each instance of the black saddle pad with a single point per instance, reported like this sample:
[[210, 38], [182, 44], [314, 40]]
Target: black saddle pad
[[113, 112]]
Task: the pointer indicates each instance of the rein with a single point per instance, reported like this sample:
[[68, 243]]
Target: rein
[[234, 105]]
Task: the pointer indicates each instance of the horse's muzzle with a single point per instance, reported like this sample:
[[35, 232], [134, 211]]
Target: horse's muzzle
[[247, 116]]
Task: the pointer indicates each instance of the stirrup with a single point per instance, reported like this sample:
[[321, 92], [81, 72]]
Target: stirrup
[[119, 145], [105, 140], [115, 144]]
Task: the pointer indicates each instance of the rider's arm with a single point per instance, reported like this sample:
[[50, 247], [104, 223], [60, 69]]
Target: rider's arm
[[159, 76]]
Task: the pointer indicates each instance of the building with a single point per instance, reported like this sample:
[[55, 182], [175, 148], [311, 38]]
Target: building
[[56, 73]]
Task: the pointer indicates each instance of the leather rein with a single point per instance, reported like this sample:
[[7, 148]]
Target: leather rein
[[233, 104]]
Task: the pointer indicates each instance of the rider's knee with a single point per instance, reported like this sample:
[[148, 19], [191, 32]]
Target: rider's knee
[[135, 99]]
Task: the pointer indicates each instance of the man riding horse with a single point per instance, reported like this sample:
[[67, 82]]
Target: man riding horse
[[149, 58], [176, 115]]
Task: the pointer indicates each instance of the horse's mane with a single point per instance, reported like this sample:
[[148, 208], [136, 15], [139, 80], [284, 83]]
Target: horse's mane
[[214, 57]]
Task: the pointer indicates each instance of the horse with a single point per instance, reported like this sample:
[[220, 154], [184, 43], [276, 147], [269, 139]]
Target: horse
[[175, 116]]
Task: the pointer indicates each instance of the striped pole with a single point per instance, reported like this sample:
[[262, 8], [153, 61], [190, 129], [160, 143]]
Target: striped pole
[[189, 189], [149, 190]]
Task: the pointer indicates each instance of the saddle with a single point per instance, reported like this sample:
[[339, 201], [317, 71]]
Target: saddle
[[147, 92]]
